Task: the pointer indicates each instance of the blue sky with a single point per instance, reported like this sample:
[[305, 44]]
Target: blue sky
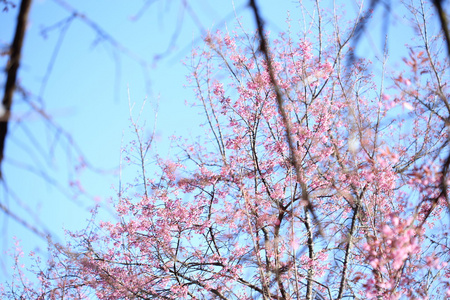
[[86, 95]]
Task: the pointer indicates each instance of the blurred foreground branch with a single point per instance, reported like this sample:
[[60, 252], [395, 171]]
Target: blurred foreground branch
[[11, 70]]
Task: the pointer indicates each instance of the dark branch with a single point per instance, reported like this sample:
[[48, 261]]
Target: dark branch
[[11, 70]]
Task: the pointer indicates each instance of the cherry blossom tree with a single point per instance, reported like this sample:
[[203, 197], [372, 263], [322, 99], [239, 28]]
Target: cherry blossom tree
[[315, 179]]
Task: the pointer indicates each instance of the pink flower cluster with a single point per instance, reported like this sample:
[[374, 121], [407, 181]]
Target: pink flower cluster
[[387, 253]]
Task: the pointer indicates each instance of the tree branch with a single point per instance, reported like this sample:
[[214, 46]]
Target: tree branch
[[11, 70]]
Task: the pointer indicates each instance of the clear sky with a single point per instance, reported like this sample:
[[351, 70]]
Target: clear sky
[[79, 72]]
